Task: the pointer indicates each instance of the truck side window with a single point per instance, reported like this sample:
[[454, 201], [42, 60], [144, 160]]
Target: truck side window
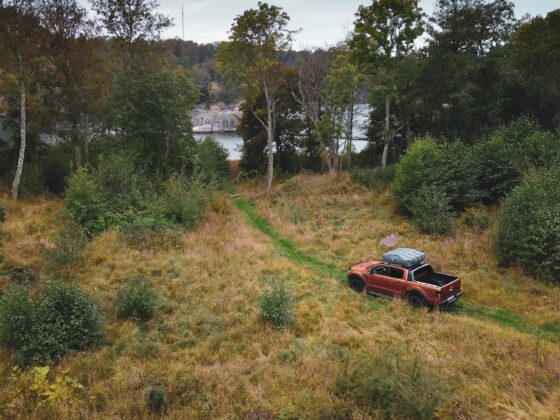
[[382, 271], [389, 272], [396, 273]]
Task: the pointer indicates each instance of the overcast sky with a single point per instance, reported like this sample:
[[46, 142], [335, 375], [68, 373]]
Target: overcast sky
[[322, 21]]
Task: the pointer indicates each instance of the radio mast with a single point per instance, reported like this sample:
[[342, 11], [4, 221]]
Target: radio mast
[[183, 21]]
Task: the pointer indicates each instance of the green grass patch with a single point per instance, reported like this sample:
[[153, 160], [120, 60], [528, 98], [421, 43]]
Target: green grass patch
[[285, 246], [508, 319]]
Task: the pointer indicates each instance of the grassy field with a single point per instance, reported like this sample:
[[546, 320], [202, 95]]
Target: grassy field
[[346, 356]]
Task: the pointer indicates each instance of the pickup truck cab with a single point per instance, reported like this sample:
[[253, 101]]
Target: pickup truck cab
[[408, 278]]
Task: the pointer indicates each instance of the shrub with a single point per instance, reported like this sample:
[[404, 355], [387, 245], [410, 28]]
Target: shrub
[[476, 218], [528, 232], [374, 178], [432, 212], [2, 212], [497, 171], [395, 382], [65, 320], [111, 194], [136, 300], [213, 160], [15, 317], [428, 163], [184, 202], [62, 320], [276, 307], [69, 244], [86, 202]]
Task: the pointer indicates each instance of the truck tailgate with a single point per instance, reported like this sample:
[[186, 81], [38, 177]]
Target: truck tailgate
[[450, 290]]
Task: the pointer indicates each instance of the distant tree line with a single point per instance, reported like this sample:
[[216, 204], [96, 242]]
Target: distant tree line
[[110, 84]]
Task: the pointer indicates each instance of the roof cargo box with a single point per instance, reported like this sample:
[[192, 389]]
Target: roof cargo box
[[405, 257]]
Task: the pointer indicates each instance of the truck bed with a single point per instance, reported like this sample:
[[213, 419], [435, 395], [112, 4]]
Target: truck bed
[[427, 275]]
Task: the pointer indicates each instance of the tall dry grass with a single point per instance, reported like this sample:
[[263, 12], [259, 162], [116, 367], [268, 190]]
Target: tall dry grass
[[209, 350]]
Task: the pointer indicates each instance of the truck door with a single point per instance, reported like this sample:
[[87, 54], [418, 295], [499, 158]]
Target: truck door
[[386, 280]]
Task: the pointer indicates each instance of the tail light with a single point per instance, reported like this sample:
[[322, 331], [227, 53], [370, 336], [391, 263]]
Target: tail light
[[438, 294]]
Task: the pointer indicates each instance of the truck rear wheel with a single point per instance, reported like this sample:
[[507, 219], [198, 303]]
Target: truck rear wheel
[[416, 300], [356, 284]]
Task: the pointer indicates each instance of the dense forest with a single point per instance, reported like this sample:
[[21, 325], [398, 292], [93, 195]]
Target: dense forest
[[143, 273]]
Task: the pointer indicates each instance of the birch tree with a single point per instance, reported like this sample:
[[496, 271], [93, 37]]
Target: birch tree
[[251, 57], [384, 32], [19, 37]]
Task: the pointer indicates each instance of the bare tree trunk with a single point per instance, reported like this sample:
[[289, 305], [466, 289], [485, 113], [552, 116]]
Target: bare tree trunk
[[23, 133], [387, 131], [270, 135]]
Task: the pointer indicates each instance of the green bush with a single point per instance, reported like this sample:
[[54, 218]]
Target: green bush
[[432, 212], [374, 178], [213, 160], [64, 320], [476, 218], [16, 318], [136, 300], [428, 163], [277, 307], [69, 244], [396, 383], [528, 232], [86, 202], [184, 202], [497, 171]]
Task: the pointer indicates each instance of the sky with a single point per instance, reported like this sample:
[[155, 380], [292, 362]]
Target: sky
[[322, 22]]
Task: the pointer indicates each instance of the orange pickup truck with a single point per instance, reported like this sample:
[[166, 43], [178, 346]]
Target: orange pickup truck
[[403, 274]]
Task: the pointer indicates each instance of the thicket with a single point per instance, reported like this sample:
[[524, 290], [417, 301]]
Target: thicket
[[528, 232], [62, 319], [463, 175], [117, 193]]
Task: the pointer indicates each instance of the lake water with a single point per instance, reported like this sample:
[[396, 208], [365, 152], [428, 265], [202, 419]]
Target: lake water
[[232, 142]]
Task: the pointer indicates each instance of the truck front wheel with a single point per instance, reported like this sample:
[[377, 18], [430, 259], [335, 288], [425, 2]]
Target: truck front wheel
[[356, 284]]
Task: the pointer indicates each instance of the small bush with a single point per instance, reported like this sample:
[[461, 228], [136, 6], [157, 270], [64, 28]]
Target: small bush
[[86, 202], [184, 202], [375, 178], [276, 307], [64, 320], [431, 211], [69, 244], [476, 218], [136, 300], [16, 317], [528, 232], [394, 382], [156, 399]]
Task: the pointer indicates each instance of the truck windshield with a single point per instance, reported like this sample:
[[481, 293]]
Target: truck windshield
[[422, 272]]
